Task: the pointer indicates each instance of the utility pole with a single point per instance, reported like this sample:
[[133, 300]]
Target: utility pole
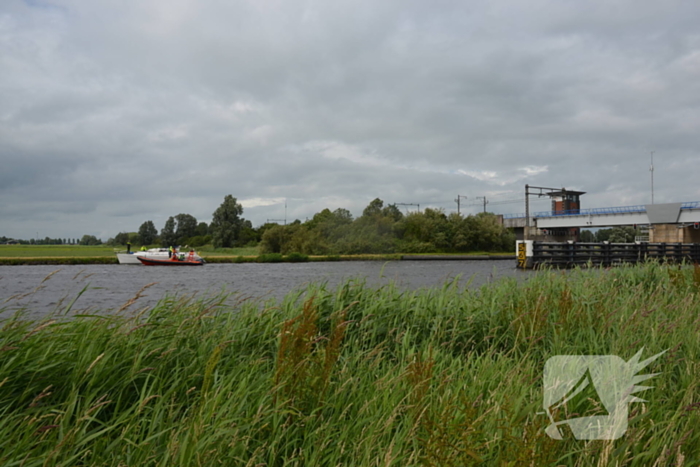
[[285, 214], [457, 200], [651, 169], [527, 205], [485, 201]]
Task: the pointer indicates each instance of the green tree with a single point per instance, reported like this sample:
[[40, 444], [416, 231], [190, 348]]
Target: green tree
[[147, 233], [186, 227], [202, 229], [226, 223], [485, 233], [392, 212], [278, 238], [343, 216], [603, 235], [167, 234], [587, 236], [90, 240], [122, 238], [622, 235], [374, 208], [248, 235]]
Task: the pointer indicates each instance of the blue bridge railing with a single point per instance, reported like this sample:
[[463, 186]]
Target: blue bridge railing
[[691, 205], [593, 211]]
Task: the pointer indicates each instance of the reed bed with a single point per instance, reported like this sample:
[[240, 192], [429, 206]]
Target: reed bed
[[352, 376]]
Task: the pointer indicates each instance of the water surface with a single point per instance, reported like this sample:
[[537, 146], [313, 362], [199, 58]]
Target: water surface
[[108, 287]]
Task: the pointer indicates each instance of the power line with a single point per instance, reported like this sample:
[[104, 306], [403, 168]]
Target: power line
[[506, 201], [408, 204]]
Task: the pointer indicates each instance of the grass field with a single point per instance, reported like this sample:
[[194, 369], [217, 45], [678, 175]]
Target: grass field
[[66, 251], [208, 250], [354, 376], [51, 251]]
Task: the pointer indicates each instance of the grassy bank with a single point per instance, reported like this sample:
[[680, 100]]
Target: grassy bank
[[299, 258], [11, 255], [353, 376], [55, 251]]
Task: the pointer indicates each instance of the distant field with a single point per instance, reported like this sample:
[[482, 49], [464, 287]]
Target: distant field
[[57, 251], [243, 251], [41, 251]]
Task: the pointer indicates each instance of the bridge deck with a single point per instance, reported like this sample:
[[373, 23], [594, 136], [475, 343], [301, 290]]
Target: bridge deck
[[671, 213]]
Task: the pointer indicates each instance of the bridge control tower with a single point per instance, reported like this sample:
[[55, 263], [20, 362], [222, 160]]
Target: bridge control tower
[[566, 201]]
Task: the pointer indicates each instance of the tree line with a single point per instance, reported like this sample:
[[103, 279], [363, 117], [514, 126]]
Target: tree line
[[227, 229], [85, 240], [612, 235], [385, 229], [380, 229]]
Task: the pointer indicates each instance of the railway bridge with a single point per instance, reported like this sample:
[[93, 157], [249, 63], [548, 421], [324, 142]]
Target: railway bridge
[[670, 222]]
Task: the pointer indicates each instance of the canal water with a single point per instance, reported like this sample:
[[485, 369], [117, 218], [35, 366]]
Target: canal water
[[106, 288]]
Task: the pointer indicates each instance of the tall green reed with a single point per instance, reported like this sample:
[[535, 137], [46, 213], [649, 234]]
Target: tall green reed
[[351, 376]]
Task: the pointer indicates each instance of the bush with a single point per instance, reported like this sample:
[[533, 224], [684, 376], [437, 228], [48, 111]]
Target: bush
[[297, 258], [197, 241], [414, 246], [270, 258]]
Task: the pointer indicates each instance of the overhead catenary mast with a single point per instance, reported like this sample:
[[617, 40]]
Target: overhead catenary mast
[[651, 169], [457, 200], [285, 214]]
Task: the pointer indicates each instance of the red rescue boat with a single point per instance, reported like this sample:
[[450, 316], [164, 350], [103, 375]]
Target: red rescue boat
[[189, 259]]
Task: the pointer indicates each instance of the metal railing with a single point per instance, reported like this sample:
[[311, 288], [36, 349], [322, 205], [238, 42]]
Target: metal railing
[[691, 205], [593, 211]]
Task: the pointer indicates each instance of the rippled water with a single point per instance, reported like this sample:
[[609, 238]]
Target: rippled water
[[108, 287]]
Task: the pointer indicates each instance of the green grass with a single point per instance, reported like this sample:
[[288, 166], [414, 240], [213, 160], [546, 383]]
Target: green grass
[[352, 376], [209, 251], [45, 251]]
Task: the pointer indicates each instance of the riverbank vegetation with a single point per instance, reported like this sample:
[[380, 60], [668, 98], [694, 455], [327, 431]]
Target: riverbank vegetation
[[353, 376], [379, 230], [12, 255], [384, 229]]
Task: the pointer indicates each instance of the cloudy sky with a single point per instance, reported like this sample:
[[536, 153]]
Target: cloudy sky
[[114, 112]]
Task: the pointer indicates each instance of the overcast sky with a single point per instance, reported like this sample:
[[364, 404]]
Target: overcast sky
[[114, 112]]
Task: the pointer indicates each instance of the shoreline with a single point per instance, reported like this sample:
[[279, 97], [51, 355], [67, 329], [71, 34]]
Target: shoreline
[[68, 260]]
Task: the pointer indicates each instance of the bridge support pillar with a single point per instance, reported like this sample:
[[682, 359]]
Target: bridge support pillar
[[665, 233], [674, 233]]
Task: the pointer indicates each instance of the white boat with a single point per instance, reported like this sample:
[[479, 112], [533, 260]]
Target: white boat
[[132, 257]]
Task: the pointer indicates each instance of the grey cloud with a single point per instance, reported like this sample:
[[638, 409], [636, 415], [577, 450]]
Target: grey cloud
[[115, 113]]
